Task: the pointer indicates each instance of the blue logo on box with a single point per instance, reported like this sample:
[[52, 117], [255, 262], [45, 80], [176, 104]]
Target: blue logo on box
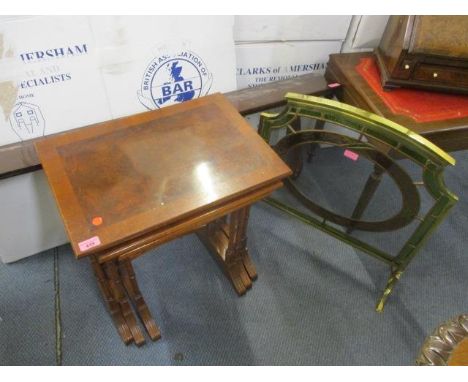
[[169, 80]]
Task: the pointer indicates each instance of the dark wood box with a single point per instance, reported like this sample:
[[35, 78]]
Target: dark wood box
[[425, 52]]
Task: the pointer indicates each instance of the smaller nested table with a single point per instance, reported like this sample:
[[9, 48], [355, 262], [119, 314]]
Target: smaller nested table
[[126, 186]]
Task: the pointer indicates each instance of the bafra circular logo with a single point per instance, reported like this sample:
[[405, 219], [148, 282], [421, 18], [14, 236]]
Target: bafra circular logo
[[172, 79]]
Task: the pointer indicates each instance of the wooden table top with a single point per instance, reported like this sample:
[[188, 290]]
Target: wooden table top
[[116, 180], [451, 134]]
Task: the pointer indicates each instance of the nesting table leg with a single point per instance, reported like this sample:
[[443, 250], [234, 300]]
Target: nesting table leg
[[226, 237], [118, 291], [117, 282], [133, 291], [228, 242], [112, 304]]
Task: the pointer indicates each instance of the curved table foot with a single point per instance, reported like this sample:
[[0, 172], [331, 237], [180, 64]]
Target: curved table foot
[[392, 280], [228, 242], [118, 284], [133, 291], [112, 305]]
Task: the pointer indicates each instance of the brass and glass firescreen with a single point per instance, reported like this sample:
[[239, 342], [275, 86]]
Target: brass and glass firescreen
[[397, 167]]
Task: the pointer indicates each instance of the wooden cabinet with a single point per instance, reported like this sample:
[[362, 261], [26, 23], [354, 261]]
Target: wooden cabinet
[[425, 52]]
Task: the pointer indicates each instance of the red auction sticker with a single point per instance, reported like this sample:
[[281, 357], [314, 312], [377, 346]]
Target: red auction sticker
[[97, 220]]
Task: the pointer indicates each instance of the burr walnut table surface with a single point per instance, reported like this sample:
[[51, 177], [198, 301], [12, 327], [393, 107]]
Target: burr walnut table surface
[[128, 185]]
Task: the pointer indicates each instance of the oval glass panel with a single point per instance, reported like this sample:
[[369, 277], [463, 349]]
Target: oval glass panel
[[341, 182]]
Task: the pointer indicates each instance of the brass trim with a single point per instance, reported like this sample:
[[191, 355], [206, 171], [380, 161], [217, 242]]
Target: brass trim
[[439, 346], [341, 107]]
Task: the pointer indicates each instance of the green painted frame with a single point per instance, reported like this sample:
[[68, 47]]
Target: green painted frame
[[377, 129]]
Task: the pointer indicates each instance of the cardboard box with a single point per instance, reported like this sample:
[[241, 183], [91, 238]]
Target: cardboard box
[[290, 28], [64, 72], [50, 81], [151, 62], [30, 219], [261, 63]]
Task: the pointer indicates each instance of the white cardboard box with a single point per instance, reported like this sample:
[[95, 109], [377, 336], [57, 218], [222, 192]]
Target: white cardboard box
[[140, 58], [49, 77], [64, 72], [30, 221], [290, 28], [260, 63]]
